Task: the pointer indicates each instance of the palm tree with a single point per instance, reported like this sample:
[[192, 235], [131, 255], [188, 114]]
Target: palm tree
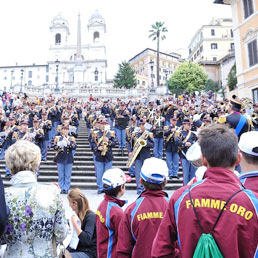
[[156, 34]]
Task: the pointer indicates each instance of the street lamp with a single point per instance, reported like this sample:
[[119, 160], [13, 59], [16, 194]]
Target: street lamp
[[96, 72], [166, 74], [152, 82], [57, 65], [22, 71], [12, 71]]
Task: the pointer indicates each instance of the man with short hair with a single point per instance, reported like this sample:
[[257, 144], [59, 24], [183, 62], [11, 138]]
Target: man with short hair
[[248, 146], [110, 213], [236, 230], [142, 218]]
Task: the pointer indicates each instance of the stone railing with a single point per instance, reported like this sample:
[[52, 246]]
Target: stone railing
[[80, 91]]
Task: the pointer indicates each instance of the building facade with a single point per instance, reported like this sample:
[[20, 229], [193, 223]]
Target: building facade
[[70, 64], [145, 67], [212, 42], [245, 29]]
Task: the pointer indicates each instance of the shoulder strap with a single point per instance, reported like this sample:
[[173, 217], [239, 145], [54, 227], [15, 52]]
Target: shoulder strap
[[187, 137], [217, 220], [240, 124]]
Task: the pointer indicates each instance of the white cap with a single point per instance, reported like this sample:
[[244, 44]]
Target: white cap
[[113, 177], [248, 142], [154, 171]]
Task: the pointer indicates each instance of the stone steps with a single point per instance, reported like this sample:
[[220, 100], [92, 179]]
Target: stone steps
[[83, 175]]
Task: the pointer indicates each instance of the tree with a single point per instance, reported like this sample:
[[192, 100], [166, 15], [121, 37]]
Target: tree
[[125, 77], [212, 85], [156, 34], [188, 77], [232, 78]]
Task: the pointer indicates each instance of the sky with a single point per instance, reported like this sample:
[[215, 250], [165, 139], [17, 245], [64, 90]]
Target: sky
[[25, 34]]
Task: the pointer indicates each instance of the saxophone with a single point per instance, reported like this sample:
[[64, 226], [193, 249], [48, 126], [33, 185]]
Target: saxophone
[[104, 144], [140, 143]]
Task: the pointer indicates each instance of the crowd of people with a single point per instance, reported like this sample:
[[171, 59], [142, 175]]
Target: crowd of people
[[222, 204]]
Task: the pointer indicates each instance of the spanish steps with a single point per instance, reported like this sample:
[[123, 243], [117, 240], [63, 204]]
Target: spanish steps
[[83, 174]]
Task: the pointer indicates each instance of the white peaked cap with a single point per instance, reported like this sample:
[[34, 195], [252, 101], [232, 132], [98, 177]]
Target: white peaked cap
[[154, 171], [114, 177]]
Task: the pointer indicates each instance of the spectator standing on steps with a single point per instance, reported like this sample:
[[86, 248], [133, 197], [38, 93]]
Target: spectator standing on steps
[[142, 218], [110, 213], [35, 217], [236, 231], [248, 146]]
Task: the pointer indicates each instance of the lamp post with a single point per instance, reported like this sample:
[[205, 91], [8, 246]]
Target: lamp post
[[22, 71], [152, 68], [166, 74], [12, 78], [57, 66]]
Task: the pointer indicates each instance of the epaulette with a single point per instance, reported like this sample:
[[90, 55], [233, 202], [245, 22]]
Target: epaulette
[[222, 119]]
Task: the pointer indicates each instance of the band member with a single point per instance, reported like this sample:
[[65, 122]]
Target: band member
[[235, 119], [38, 134], [46, 125], [64, 145], [144, 142], [171, 146], [157, 130], [130, 133], [102, 142], [121, 123], [185, 139]]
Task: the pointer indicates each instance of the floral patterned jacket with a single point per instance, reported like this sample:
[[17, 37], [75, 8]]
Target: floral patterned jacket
[[36, 215]]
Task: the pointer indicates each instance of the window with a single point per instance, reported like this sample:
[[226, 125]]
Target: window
[[194, 56], [252, 53], [255, 95], [29, 82], [212, 32], [214, 45], [46, 78], [138, 81], [58, 39], [198, 52], [232, 47], [214, 59], [231, 33], [47, 69], [201, 49], [143, 83], [96, 78], [30, 74], [5, 78], [248, 7], [95, 36]]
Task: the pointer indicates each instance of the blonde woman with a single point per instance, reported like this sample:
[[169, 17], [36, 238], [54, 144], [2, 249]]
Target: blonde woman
[[84, 224], [36, 210]]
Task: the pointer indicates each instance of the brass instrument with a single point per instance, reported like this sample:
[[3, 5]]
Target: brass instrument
[[140, 143], [104, 144]]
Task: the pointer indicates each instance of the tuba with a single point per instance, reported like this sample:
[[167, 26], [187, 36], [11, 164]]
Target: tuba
[[140, 143]]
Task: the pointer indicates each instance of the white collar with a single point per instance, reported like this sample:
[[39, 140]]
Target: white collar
[[24, 177]]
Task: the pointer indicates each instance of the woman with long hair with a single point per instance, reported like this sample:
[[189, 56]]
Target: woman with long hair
[[84, 224]]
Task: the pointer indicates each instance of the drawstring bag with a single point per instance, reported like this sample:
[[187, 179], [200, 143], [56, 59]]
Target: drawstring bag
[[207, 246]]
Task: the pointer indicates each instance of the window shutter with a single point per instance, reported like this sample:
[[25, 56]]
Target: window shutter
[[250, 54]]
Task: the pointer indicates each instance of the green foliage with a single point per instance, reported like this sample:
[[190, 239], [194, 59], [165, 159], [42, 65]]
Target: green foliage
[[232, 78], [212, 85], [188, 77], [156, 31], [125, 77]]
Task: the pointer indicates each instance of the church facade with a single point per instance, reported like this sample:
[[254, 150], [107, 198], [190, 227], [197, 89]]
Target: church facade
[[81, 63]]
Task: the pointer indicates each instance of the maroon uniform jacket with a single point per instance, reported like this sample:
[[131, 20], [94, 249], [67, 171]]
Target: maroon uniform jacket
[[109, 215], [140, 223], [250, 180], [236, 233]]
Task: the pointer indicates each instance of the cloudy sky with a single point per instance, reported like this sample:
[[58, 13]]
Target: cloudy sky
[[24, 26]]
